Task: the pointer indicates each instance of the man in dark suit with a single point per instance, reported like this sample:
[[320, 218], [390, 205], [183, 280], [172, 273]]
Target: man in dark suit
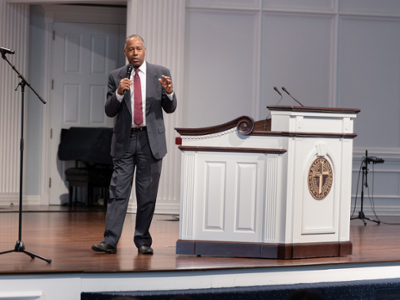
[[137, 100]]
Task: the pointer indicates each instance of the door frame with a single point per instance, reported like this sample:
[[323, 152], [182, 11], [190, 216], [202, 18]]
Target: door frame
[[73, 14]]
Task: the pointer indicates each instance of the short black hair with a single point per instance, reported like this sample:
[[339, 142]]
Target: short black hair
[[133, 36]]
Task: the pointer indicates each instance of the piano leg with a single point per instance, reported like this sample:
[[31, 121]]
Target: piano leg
[[71, 189]]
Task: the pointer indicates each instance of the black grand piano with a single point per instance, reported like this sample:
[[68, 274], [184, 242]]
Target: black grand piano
[[90, 149]]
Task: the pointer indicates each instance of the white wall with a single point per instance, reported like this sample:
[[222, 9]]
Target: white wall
[[229, 54], [368, 78], [239, 50], [337, 53]]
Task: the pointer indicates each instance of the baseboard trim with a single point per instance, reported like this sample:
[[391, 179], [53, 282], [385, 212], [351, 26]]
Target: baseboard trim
[[263, 250], [161, 208], [7, 199]]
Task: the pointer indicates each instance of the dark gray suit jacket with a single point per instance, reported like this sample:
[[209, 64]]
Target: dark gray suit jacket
[[156, 101]]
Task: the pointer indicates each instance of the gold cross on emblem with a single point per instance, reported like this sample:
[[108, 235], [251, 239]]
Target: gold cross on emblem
[[321, 174]]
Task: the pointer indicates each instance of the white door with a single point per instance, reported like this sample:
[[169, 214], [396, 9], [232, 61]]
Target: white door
[[83, 56]]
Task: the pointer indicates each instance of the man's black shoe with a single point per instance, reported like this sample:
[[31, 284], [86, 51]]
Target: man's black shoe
[[104, 247], [145, 250]]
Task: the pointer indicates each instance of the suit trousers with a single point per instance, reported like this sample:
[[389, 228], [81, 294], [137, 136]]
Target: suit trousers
[[148, 170]]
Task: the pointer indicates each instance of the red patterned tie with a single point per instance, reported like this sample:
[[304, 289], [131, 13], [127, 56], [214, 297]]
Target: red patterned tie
[[138, 113]]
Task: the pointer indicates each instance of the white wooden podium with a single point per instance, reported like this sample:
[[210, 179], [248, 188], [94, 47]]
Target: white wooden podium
[[276, 191]]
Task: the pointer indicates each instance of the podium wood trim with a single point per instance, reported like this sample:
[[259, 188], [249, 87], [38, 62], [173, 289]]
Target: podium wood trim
[[244, 124], [315, 109], [306, 134], [263, 250], [227, 149], [247, 126]]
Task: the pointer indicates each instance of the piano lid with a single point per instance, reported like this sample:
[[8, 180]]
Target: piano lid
[[86, 144]]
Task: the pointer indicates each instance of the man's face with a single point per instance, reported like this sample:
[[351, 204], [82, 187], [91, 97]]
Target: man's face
[[135, 52]]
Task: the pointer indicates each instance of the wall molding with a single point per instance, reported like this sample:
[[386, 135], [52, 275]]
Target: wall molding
[[225, 4], [364, 16], [380, 210], [390, 155], [369, 8], [257, 5]]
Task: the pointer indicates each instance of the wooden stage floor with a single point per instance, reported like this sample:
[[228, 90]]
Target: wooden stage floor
[[66, 237]]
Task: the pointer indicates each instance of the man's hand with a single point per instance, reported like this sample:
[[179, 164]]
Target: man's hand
[[124, 84], [166, 84]]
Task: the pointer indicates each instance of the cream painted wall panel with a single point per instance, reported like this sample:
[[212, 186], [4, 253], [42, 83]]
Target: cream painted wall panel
[[383, 181], [369, 76], [221, 67], [297, 53]]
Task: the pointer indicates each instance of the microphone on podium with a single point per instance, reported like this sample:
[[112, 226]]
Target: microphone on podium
[[276, 89], [265, 123], [291, 96]]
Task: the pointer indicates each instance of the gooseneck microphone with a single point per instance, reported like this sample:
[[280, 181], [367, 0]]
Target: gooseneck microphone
[[6, 51], [265, 123], [128, 74], [291, 96], [275, 88]]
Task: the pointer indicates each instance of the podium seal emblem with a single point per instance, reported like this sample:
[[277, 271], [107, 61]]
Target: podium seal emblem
[[320, 178]]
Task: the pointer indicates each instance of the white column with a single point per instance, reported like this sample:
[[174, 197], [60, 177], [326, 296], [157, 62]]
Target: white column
[[14, 28], [188, 194], [271, 198], [161, 24]]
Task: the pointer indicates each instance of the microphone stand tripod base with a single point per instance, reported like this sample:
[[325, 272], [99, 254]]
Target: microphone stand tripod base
[[362, 217], [364, 181], [20, 247]]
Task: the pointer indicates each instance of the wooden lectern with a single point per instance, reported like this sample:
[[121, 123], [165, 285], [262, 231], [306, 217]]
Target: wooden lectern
[[276, 189]]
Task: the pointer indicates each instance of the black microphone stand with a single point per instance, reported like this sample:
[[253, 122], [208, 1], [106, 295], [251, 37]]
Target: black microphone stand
[[364, 182], [19, 246]]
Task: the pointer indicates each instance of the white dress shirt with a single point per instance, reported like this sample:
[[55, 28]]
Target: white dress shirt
[[142, 76]]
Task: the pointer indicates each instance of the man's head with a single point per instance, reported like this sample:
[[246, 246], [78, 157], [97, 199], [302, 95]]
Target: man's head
[[135, 50]]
